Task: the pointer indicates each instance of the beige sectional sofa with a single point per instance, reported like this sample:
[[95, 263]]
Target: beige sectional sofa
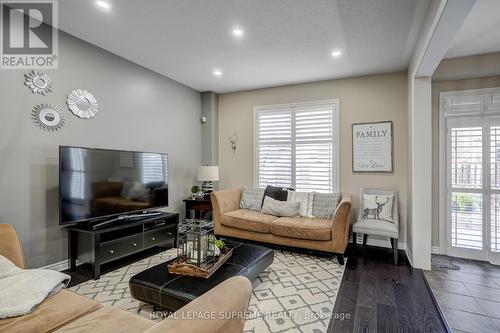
[[69, 312], [327, 235]]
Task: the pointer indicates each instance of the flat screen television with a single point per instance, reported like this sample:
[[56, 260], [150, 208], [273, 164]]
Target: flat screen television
[[100, 184]]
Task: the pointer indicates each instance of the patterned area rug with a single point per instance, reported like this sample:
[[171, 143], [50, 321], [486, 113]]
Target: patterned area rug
[[295, 294]]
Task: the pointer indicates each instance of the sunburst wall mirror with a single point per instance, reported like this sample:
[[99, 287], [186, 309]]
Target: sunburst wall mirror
[[38, 82], [82, 103], [48, 117]]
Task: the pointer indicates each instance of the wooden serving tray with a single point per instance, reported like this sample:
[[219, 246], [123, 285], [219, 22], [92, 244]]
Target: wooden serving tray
[[181, 267]]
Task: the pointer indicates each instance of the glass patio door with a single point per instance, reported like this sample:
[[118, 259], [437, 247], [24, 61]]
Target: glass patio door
[[473, 187], [493, 190]]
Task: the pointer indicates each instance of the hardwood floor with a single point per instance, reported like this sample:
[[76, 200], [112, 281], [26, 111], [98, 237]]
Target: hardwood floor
[[376, 296]]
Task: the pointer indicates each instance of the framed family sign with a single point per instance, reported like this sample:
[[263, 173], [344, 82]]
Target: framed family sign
[[372, 147]]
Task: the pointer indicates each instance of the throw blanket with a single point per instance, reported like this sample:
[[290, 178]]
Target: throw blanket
[[22, 290]]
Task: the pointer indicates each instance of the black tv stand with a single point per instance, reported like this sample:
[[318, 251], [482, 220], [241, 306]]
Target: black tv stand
[[106, 223], [110, 242]]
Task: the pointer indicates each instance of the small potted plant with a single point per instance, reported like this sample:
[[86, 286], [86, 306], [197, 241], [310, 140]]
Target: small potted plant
[[194, 191], [219, 244]]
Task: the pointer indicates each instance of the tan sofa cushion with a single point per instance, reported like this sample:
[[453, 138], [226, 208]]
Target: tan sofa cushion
[[109, 319], [54, 312], [246, 219], [302, 228]]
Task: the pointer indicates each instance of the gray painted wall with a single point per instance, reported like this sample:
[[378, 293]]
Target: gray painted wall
[[139, 110], [210, 129]]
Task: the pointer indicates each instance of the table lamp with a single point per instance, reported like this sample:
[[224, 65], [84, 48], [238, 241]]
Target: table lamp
[[208, 174]]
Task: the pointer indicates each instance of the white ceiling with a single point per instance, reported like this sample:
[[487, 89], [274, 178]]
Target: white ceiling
[[480, 32], [284, 42]]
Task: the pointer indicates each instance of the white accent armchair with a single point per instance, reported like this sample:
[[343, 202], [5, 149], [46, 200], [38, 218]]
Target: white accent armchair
[[372, 226]]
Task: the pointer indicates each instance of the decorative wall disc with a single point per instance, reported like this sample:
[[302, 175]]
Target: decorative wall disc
[[38, 82], [48, 117], [82, 103]]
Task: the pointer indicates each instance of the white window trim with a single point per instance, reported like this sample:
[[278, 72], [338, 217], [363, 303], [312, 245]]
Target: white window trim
[[336, 137]]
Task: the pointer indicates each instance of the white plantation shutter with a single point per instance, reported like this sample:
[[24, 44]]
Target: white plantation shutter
[[494, 137], [274, 148], [314, 149], [466, 172], [296, 145], [466, 160]]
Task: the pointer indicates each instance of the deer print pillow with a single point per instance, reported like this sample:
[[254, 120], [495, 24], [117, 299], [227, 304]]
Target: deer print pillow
[[378, 207]]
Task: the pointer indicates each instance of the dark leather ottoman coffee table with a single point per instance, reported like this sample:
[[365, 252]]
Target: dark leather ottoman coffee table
[[170, 291]]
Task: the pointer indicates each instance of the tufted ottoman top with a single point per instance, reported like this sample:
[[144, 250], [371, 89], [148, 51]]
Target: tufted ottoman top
[[170, 291]]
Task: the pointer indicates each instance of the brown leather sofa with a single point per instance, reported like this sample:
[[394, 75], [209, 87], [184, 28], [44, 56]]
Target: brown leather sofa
[[326, 235], [69, 312]]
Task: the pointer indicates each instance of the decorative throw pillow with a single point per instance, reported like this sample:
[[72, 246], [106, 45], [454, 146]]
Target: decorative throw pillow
[[251, 198], [378, 206], [305, 199], [277, 193], [325, 204], [280, 208]]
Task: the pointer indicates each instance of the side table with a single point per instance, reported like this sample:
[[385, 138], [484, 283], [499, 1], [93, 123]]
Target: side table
[[202, 208]]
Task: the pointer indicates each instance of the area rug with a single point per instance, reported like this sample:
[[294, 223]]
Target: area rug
[[442, 261], [295, 294]]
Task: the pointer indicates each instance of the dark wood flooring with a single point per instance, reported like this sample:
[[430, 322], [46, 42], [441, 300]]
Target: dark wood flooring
[[376, 296]]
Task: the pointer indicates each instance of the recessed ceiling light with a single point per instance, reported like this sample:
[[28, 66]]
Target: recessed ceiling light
[[336, 53], [237, 32], [103, 4], [217, 72]]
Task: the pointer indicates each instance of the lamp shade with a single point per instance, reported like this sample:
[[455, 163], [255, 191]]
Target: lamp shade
[[208, 173]]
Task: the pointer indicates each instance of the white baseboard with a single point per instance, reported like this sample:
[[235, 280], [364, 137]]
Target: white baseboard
[[379, 242], [436, 250], [409, 256]]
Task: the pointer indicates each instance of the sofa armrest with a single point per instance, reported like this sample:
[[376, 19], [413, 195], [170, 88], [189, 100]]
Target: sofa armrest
[[224, 201], [223, 309], [10, 245], [342, 222]]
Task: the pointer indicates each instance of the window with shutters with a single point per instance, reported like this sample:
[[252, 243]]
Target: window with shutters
[[296, 145]]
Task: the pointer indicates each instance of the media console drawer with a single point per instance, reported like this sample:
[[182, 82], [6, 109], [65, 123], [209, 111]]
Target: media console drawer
[[120, 248], [155, 237]]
